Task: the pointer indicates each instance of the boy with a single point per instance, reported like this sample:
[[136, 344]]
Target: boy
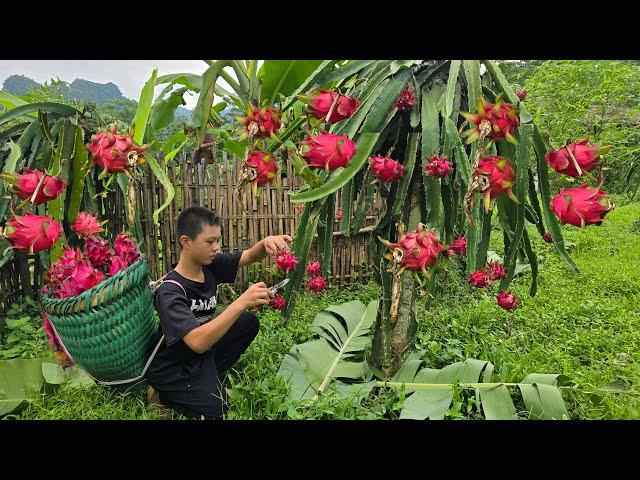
[[197, 350]]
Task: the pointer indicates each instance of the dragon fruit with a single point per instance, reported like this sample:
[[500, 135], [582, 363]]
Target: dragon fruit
[[114, 152], [60, 352], [86, 224], [587, 157], [64, 267], [507, 300], [502, 117], [116, 264], [286, 261], [500, 175], [126, 248], [317, 284], [265, 167], [320, 104], [25, 184], [386, 169], [97, 251], [278, 302], [496, 270], [406, 99], [419, 249], [85, 276], [266, 122], [313, 269], [299, 207], [581, 206], [447, 252], [459, 245], [339, 214], [32, 233], [480, 279], [328, 151], [547, 237], [521, 94], [438, 166]]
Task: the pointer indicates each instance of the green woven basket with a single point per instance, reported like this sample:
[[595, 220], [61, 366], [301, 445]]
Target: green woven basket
[[108, 328]]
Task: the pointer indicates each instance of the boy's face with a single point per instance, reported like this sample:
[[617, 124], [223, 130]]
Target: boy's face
[[204, 247]]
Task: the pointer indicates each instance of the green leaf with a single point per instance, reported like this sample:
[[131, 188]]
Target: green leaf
[[472, 75], [9, 101], [454, 69], [190, 80], [291, 371], [385, 105], [9, 167], [80, 165], [344, 71], [430, 146], [461, 159], [338, 179], [141, 116], [34, 107], [202, 110], [19, 379], [309, 83], [161, 175], [497, 403], [408, 163], [52, 373], [164, 109], [285, 76]]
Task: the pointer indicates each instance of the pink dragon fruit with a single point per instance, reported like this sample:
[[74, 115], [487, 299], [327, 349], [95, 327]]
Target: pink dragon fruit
[[406, 100], [25, 184], [114, 152], [286, 261], [313, 269], [507, 300], [480, 279], [328, 151], [86, 224], [32, 233], [500, 175], [419, 249], [581, 206], [496, 270], [266, 121], [278, 302], [265, 166], [116, 264], [64, 267], [385, 169], [317, 284], [438, 166], [98, 252], [459, 245], [503, 118], [547, 237], [339, 214], [126, 248], [83, 277], [320, 104], [521, 94], [587, 157]]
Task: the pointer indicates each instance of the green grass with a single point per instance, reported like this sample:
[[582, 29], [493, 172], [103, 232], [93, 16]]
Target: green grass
[[584, 326]]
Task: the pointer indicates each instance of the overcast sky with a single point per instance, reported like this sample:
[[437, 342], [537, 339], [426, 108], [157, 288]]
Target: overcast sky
[[129, 75]]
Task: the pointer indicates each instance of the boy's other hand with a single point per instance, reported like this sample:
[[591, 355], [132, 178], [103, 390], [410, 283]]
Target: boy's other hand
[[276, 244], [256, 295]]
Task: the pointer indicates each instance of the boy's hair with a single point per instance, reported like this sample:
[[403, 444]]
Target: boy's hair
[[191, 219]]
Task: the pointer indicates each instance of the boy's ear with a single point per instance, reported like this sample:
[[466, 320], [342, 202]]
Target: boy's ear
[[184, 240]]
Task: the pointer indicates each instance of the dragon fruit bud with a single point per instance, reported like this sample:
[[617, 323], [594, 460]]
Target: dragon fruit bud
[[299, 207], [126, 248], [447, 252], [32, 233], [587, 157], [86, 225], [500, 175], [507, 300], [406, 99], [480, 279], [547, 237], [386, 169], [521, 94], [317, 284], [502, 117], [581, 206], [314, 269], [438, 166], [97, 252], [328, 151], [114, 152], [496, 270], [459, 245], [420, 249], [278, 302], [339, 214], [266, 121], [286, 261], [25, 184], [320, 104]]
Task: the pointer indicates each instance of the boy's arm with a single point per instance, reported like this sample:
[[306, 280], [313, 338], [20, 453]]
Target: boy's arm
[[269, 246]]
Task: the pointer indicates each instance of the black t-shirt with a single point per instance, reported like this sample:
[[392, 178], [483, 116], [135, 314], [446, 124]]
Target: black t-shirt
[[176, 366]]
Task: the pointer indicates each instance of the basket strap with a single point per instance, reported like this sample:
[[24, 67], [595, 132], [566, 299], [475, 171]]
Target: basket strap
[[155, 350]]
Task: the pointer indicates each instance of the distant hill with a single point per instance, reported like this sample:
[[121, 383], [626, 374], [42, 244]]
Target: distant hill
[[80, 89]]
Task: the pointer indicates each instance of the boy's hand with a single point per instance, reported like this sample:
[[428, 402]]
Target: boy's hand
[[276, 244], [256, 295]]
